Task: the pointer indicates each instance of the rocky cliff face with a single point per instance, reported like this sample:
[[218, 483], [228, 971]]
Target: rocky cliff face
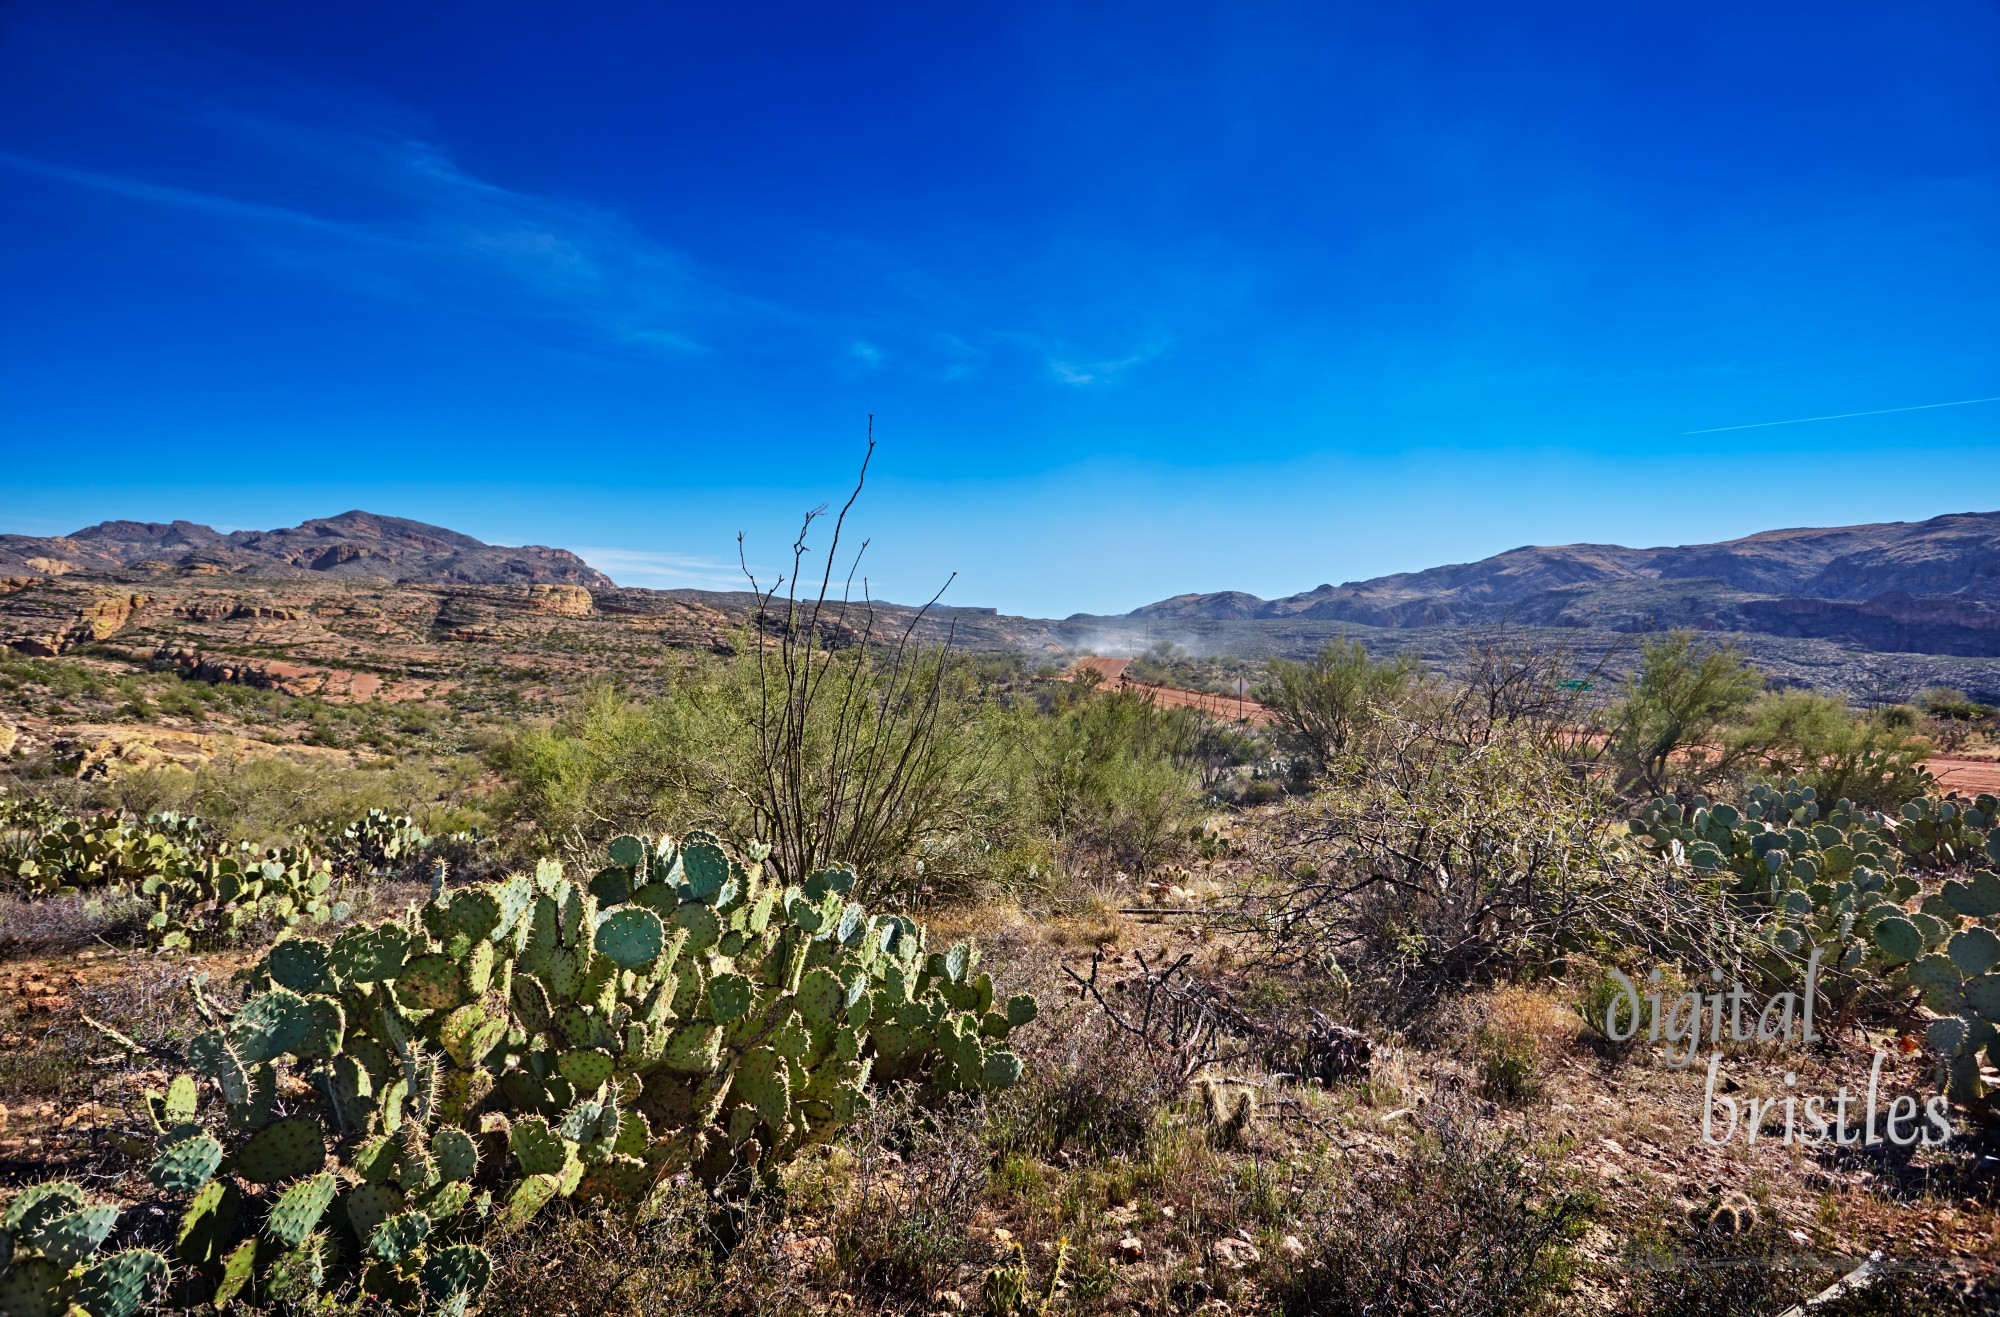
[[1928, 587], [356, 544]]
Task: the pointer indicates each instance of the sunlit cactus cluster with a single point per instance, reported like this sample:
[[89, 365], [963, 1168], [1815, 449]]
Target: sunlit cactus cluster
[[389, 1096], [1904, 905]]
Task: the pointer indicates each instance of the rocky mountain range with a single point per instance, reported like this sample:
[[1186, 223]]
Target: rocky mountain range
[[355, 544], [1926, 587], [368, 607]]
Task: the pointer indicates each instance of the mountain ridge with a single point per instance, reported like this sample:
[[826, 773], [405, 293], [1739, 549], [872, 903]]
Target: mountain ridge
[[353, 543], [1929, 586]]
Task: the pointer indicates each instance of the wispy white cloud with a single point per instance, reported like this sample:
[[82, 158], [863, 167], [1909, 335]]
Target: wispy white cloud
[[664, 571], [391, 214], [1080, 374]]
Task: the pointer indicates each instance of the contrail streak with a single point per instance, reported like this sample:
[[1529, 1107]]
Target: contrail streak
[[1841, 416]]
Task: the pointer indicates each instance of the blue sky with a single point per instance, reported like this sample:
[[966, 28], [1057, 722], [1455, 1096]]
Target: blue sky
[[1146, 298]]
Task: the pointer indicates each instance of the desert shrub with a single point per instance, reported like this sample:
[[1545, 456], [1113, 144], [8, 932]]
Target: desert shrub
[[1468, 1221], [1108, 772], [1952, 705], [1329, 699], [915, 1176], [274, 800], [1530, 689], [1443, 866], [1677, 707], [709, 752], [612, 762], [1518, 1034], [1875, 761], [1085, 1097]]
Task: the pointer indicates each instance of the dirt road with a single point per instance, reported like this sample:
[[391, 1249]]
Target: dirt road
[[1112, 676], [1968, 777]]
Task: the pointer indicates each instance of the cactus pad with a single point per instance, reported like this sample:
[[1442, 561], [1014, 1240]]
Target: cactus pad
[[763, 1081], [185, 1166], [1982, 994], [33, 1287], [1899, 938], [370, 955], [40, 1202], [399, 1236], [456, 1153], [632, 937], [820, 997], [119, 1285], [704, 868], [1001, 1069], [303, 964], [369, 1205], [529, 1197], [540, 1150], [238, 1270], [283, 1150], [1979, 897], [299, 1208], [460, 1272], [694, 1049], [703, 926], [587, 1070], [73, 1236], [470, 1032], [270, 1024], [430, 982], [1975, 950], [729, 996]]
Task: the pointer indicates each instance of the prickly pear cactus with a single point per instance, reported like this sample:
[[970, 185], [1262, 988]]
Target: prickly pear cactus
[[203, 891], [378, 843], [58, 853], [214, 898], [515, 1042], [1900, 907], [49, 1259]]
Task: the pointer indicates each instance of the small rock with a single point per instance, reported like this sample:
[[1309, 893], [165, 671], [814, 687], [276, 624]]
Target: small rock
[[947, 1301], [1001, 1234], [1236, 1254], [1131, 1249], [1292, 1247]]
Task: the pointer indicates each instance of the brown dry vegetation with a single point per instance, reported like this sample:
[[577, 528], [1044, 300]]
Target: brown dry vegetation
[[1211, 1121]]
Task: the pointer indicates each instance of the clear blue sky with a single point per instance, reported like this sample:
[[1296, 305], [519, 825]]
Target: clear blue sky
[[1147, 297]]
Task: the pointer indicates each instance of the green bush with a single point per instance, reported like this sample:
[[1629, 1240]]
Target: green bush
[[1678, 706], [1109, 772], [1817, 742], [1332, 698]]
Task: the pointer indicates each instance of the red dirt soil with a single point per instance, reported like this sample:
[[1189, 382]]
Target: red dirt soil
[[1229, 708], [1968, 777]]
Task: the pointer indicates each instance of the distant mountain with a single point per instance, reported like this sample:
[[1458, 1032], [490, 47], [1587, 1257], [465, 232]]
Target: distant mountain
[[1911, 587], [351, 544]]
